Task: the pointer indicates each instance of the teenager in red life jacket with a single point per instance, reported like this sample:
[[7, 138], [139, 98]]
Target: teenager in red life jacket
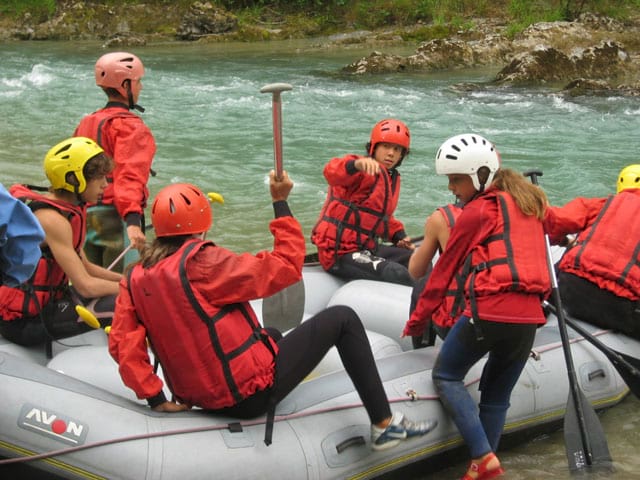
[[599, 274], [43, 307], [358, 212], [118, 219], [190, 298], [437, 229], [498, 244]]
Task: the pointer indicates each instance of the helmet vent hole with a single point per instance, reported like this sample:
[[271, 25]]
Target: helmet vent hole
[[172, 206], [185, 198], [456, 148], [64, 149], [451, 157]]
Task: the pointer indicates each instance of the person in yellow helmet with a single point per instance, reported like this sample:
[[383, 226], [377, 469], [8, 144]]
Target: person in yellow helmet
[[599, 275], [43, 308]]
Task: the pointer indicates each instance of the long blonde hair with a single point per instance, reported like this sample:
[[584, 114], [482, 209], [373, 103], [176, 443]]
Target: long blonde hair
[[530, 198]]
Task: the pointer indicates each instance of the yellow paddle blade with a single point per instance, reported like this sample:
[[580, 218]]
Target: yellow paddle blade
[[215, 197], [107, 329], [87, 317]]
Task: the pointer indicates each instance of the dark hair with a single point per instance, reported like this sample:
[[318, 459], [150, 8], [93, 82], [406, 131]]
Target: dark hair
[[97, 167], [161, 248]]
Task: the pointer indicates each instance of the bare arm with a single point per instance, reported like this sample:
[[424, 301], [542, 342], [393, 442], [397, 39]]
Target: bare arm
[[436, 235], [59, 238], [98, 271]]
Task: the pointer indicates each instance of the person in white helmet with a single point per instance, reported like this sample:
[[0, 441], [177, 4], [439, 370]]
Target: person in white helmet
[[117, 220], [498, 246]]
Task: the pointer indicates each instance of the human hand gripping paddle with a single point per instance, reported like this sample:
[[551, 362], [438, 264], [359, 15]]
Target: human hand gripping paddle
[[87, 315], [285, 309], [585, 442]]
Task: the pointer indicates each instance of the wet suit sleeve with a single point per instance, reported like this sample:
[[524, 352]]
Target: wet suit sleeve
[[243, 277], [128, 347], [573, 217], [134, 148]]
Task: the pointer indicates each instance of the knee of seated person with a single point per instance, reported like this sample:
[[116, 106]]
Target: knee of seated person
[[343, 311], [393, 272]]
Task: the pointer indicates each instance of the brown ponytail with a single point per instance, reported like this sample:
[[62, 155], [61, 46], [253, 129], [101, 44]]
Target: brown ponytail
[[530, 198]]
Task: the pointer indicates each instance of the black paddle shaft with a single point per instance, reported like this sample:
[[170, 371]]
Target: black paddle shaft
[[579, 409], [627, 366]]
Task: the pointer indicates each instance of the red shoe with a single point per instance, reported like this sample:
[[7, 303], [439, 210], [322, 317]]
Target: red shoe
[[481, 469]]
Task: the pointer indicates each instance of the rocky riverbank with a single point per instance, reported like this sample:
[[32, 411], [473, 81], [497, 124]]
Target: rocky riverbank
[[592, 55]]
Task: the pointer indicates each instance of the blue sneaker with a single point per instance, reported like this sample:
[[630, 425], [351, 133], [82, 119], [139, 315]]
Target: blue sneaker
[[399, 429]]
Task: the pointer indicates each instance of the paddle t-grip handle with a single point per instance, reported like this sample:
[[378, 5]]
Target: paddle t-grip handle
[[276, 89]]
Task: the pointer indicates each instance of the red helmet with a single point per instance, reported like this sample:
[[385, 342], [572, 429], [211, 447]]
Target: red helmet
[[180, 209], [389, 131], [112, 69]]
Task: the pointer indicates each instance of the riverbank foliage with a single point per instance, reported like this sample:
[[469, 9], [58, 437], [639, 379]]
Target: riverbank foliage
[[315, 17]]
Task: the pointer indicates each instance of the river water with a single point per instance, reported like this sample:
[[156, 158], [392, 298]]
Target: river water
[[213, 128]]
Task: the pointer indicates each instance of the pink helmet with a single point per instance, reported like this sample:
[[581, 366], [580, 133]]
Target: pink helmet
[[112, 69]]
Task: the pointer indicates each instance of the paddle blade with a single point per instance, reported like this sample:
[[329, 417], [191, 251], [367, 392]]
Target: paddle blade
[[87, 316], [285, 309], [596, 451]]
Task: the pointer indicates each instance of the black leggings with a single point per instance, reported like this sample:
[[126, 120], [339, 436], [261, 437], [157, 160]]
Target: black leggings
[[58, 320], [303, 348], [386, 264], [600, 307]]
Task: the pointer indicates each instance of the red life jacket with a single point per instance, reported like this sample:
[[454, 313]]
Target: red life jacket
[[49, 282], [446, 314], [510, 259], [96, 126], [607, 253], [358, 220], [212, 356]]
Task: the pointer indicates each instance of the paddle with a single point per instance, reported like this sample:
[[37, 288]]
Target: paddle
[[627, 366], [585, 442], [276, 89], [285, 309]]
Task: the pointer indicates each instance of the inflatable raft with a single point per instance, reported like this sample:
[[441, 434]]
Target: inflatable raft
[[71, 416]]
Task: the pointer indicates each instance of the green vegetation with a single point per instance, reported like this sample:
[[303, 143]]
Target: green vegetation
[[296, 18], [41, 10]]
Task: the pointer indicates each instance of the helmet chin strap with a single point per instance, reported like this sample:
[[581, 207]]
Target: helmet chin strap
[[132, 104]]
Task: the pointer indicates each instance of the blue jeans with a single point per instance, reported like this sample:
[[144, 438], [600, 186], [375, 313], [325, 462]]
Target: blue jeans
[[508, 345]]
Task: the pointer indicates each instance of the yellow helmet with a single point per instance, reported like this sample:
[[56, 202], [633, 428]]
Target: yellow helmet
[[629, 178], [70, 156]]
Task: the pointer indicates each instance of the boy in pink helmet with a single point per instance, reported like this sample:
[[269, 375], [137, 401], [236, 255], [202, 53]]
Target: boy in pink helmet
[[117, 220]]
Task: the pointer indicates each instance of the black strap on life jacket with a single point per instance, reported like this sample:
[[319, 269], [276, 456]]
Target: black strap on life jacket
[[258, 334], [351, 220]]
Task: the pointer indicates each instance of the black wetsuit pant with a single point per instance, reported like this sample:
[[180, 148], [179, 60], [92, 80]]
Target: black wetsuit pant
[[586, 301], [58, 320], [386, 264], [304, 347]]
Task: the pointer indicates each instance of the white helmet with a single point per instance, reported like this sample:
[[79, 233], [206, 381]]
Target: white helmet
[[468, 154]]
